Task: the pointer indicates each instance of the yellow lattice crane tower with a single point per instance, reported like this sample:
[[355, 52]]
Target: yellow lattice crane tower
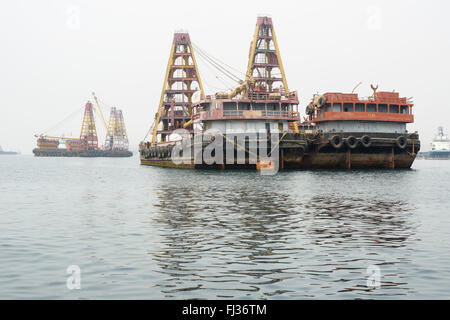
[[116, 136], [111, 140], [88, 135], [264, 58], [175, 105], [123, 129]]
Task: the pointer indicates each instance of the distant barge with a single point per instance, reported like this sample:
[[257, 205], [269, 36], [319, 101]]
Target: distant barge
[[340, 130], [81, 153], [2, 152], [86, 145]]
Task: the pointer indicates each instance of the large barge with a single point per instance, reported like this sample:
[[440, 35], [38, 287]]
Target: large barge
[[86, 145], [352, 132], [257, 125]]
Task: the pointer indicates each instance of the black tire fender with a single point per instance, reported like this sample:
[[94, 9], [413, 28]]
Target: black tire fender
[[366, 141], [336, 141], [401, 142], [351, 142]]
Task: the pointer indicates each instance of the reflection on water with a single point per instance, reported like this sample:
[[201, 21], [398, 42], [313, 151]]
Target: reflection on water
[[153, 233], [375, 222], [251, 241]]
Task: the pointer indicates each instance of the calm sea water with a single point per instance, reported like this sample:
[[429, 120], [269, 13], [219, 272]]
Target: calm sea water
[[155, 233]]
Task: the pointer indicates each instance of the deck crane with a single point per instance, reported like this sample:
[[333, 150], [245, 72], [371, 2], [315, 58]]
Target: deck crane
[[100, 111]]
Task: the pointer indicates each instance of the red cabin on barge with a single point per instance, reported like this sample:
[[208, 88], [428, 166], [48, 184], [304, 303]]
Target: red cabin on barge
[[385, 112]]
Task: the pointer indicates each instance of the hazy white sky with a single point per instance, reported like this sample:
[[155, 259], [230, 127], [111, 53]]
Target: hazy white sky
[[54, 53]]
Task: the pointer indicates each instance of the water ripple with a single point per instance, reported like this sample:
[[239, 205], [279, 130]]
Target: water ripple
[[178, 234]]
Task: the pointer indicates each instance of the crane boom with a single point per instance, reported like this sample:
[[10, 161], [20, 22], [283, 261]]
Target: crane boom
[[100, 111], [54, 137]]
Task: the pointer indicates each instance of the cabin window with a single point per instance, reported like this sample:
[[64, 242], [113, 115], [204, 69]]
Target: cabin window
[[272, 106], [393, 108], [371, 107], [360, 107], [285, 107], [206, 107], [382, 108], [348, 107], [259, 106], [217, 105], [337, 107], [243, 106], [404, 109], [327, 107], [228, 106]]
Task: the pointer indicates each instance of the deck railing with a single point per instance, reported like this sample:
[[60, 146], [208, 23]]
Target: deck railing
[[259, 113]]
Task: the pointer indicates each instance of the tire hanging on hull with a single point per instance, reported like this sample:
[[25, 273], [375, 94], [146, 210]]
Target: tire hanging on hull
[[336, 142], [366, 141], [401, 142], [351, 142]]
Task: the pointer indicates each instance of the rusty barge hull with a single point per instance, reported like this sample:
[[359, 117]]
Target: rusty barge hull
[[377, 158], [166, 162], [314, 151], [384, 159], [82, 153]]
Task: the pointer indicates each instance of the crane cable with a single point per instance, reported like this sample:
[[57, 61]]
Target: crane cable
[[219, 68], [64, 120], [151, 129], [214, 73], [217, 64], [215, 58], [227, 85]]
